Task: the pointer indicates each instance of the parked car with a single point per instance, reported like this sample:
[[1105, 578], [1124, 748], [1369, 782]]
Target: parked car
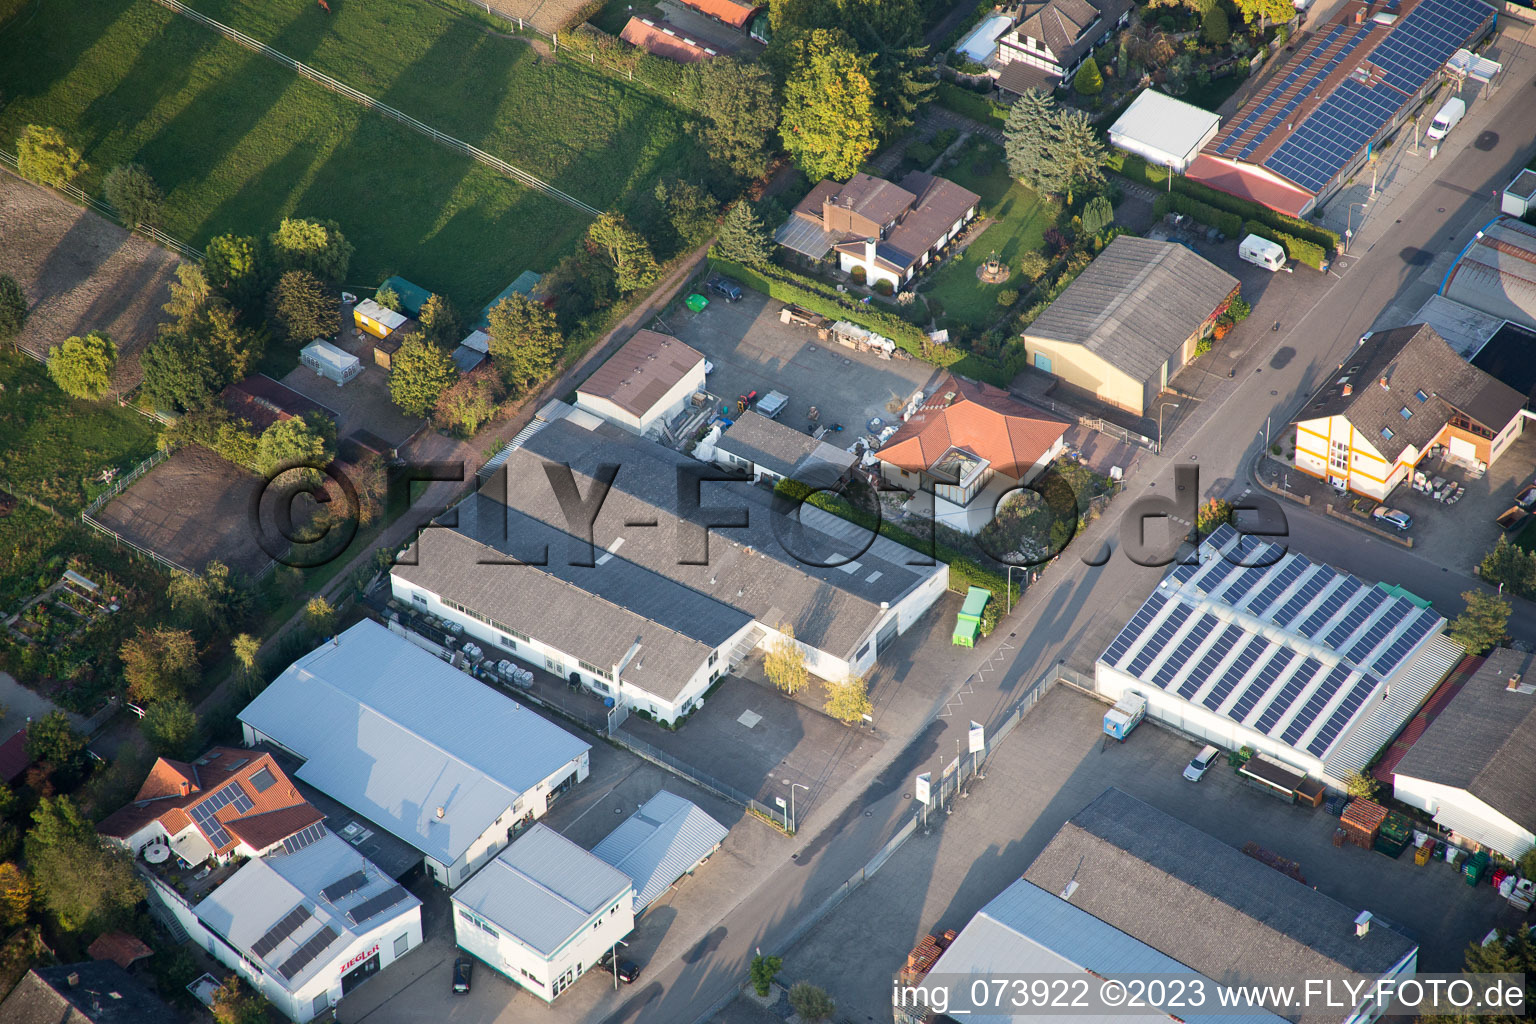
[[1196, 769], [629, 971], [463, 967], [1395, 518], [1448, 117], [725, 286]]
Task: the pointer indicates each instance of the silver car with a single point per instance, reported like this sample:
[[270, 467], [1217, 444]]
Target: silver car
[[1392, 517], [1196, 769]]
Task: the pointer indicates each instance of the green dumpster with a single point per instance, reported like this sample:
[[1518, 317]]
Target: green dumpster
[[1476, 865], [696, 302], [968, 623]]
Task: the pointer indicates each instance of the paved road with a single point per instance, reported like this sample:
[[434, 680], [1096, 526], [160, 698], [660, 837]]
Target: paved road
[[1073, 613]]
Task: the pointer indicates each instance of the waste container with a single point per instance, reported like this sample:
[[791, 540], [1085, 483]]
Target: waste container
[[1476, 866], [696, 302]]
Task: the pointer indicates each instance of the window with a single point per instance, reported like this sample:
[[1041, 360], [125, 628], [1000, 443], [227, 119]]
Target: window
[[1421, 396], [1406, 413], [594, 670], [712, 656], [402, 944], [419, 599], [1386, 433], [1338, 455]]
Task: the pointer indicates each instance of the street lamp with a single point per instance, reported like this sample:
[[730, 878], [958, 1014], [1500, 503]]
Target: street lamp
[[792, 816], [613, 960], [1160, 410], [1009, 585], [1349, 221]]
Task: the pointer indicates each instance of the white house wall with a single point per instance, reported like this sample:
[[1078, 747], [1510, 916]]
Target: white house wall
[[1466, 815], [531, 969]]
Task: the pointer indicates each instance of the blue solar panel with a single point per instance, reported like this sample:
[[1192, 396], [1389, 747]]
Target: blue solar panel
[[1212, 657], [1417, 629], [1356, 618], [1144, 615], [1159, 640], [1187, 646], [1183, 571], [1262, 682], [1315, 703], [1289, 574], [1380, 630], [203, 812], [1347, 588], [1320, 578], [1240, 667], [1216, 571], [1342, 714]]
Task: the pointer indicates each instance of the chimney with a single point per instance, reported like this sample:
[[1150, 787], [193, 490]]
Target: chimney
[[73, 979], [184, 786], [440, 812], [1514, 682], [1362, 924], [1383, 382], [869, 250], [1360, 15], [1347, 390]]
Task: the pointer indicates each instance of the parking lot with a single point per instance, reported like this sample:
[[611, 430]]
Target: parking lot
[[418, 988], [1053, 765], [752, 351]]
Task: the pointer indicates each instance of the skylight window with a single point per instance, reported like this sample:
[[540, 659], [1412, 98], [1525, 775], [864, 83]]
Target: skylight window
[[1420, 395], [1406, 413], [1386, 432]]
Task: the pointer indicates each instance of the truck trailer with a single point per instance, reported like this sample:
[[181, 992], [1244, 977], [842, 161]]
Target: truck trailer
[[1125, 716]]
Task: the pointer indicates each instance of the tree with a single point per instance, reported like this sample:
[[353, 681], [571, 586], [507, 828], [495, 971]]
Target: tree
[[1262, 11], [52, 739], [1212, 514], [1097, 215], [15, 895], [236, 267], [13, 308], [1078, 151], [388, 298], [212, 602], [848, 701], [179, 374], [1088, 81], [87, 886], [440, 321], [159, 663], [419, 373], [784, 664], [525, 342], [764, 970], [691, 211], [1033, 265], [190, 293], [133, 193], [44, 156], [170, 728], [1527, 863], [1050, 149], [305, 307], [811, 1003], [1483, 625], [628, 252], [1509, 566], [470, 402], [316, 246], [247, 648], [320, 616], [741, 113], [829, 122], [82, 366], [1215, 30], [308, 440], [1361, 786], [236, 1003], [743, 239]]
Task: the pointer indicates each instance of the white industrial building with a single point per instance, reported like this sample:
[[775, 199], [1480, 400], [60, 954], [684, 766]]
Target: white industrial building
[[440, 760], [330, 362], [649, 380], [667, 838], [1254, 646], [302, 925], [1472, 767], [656, 607], [1163, 130], [543, 912]]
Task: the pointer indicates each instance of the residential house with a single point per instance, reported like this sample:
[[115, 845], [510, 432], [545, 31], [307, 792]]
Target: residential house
[[643, 385], [770, 451], [97, 992], [1400, 393], [966, 446], [879, 230], [1130, 321], [1055, 36]]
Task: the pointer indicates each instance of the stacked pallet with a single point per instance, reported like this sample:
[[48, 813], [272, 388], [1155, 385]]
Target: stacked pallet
[[924, 955]]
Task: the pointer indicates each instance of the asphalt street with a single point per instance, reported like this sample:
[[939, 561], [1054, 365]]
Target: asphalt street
[[1071, 615]]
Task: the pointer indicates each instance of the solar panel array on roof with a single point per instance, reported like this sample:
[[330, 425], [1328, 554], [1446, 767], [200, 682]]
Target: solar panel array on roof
[[1165, 632], [1416, 631], [1234, 673], [228, 795], [376, 905], [1263, 681], [1349, 118], [277, 933], [304, 837], [1196, 636], [307, 952], [1144, 615], [1380, 630], [345, 886], [1315, 704], [1356, 618], [1218, 650], [1348, 587], [1342, 714], [1287, 575], [1320, 577]]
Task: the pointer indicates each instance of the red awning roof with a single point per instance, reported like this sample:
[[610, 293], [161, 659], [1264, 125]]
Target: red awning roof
[[664, 41], [733, 14], [1250, 183]]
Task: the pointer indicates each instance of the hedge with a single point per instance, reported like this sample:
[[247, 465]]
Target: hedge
[[1228, 224], [1298, 249]]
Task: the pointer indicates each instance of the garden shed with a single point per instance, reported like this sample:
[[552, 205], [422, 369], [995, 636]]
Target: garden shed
[[331, 362]]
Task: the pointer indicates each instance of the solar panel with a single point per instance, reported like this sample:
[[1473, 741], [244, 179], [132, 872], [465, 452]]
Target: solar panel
[[1218, 650], [1183, 571], [345, 886], [1417, 629], [1342, 714], [1315, 703], [1181, 654], [301, 839], [1216, 571], [307, 952], [376, 905], [1221, 536], [1356, 618], [1314, 584], [1128, 636], [1234, 673], [1347, 588], [1166, 631], [1262, 682], [280, 931], [228, 795], [1380, 630], [1288, 575]]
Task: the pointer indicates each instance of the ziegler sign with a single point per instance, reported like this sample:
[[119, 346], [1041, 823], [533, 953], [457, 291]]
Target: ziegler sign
[[359, 958]]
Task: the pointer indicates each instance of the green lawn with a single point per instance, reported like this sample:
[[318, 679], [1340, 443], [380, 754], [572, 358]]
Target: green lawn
[[238, 141], [1020, 219], [55, 446]]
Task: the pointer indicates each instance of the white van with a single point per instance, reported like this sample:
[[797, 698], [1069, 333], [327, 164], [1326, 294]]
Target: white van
[[1262, 252], [1449, 117]]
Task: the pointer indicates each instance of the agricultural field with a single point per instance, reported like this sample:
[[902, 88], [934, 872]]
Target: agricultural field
[[1019, 221], [238, 141]]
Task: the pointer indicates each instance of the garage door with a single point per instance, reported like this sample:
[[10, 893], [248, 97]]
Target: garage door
[[1463, 449], [886, 635]]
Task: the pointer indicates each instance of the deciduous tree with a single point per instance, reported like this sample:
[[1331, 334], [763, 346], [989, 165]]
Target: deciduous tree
[[419, 372], [1361, 786], [179, 374], [848, 701], [470, 402], [82, 365], [316, 246], [740, 114], [1264, 11], [308, 440], [212, 602], [320, 616], [1484, 623], [43, 155], [784, 664], [15, 895], [634, 266], [190, 292], [133, 193], [170, 728], [764, 970], [234, 1002], [525, 342], [691, 211], [305, 307], [440, 321], [829, 124], [743, 238], [236, 267], [247, 649], [13, 308], [388, 298], [52, 739], [1215, 29], [1511, 566], [811, 1003], [159, 663], [87, 886]]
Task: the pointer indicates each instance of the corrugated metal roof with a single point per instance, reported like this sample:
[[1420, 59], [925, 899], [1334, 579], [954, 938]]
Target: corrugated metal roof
[[659, 842], [1496, 273], [395, 733], [543, 889]]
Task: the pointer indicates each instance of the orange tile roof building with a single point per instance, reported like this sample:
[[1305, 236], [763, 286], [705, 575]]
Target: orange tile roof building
[[965, 446], [664, 40]]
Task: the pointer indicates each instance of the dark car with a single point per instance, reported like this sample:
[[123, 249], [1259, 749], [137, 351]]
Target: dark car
[[463, 967], [725, 286], [629, 971]]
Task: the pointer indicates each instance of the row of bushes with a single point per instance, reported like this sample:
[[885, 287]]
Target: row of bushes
[[1298, 249], [1228, 224], [1137, 169]]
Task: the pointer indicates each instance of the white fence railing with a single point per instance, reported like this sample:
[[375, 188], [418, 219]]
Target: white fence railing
[[516, 173]]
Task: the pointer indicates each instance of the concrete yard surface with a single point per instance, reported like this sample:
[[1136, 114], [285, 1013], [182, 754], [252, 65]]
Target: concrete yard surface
[[1054, 764]]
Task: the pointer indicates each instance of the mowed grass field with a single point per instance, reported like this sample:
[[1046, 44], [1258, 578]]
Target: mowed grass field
[[238, 141]]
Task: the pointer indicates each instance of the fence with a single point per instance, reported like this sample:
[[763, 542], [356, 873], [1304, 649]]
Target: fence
[[106, 210], [122, 483], [362, 98], [1114, 430], [118, 538], [684, 770]]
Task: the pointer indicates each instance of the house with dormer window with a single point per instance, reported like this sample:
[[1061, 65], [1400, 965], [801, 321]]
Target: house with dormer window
[[1055, 36]]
